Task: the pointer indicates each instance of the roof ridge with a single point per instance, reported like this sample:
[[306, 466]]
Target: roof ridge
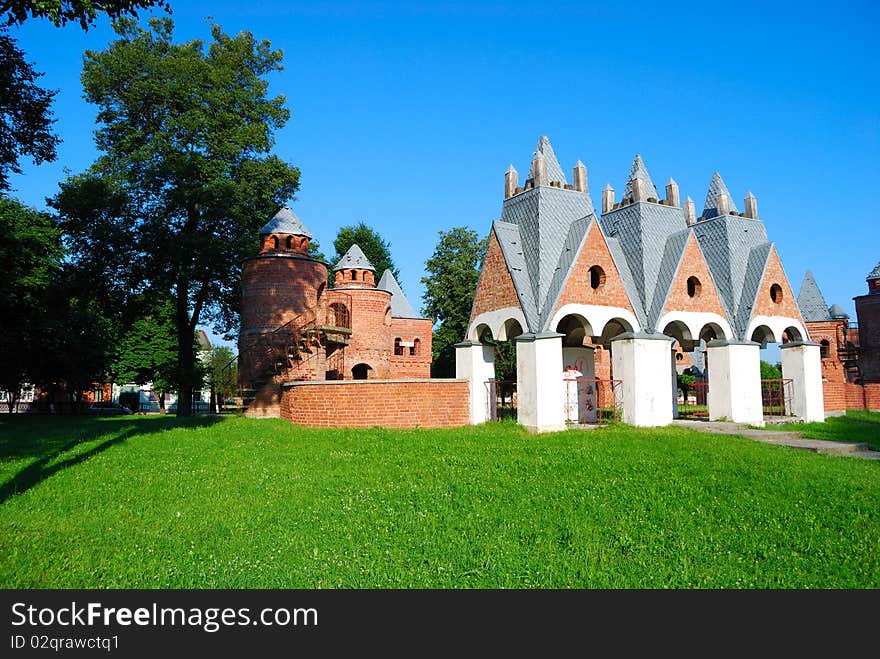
[[285, 221], [354, 258]]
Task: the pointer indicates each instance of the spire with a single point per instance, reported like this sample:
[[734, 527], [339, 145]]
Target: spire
[[607, 198], [672, 193], [874, 274], [639, 171], [579, 177], [354, 258], [400, 306], [551, 164], [689, 211], [812, 305], [285, 221], [718, 199], [511, 181], [751, 206]]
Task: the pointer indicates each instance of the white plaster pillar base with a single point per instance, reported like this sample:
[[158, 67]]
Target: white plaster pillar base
[[801, 361], [475, 363], [642, 362], [735, 382], [539, 389]]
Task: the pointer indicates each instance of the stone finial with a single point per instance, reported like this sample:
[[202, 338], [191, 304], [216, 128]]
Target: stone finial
[[607, 198], [722, 204], [638, 189], [539, 167], [672, 194], [511, 181], [579, 177], [751, 204], [690, 213]]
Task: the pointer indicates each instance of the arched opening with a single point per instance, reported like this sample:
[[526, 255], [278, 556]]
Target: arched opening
[[790, 334], [824, 349], [354, 275], [274, 242], [510, 330], [763, 335], [577, 330], [711, 332], [416, 347], [339, 316], [612, 329], [398, 349], [387, 320], [776, 294], [694, 287], [579, 369], [289, 242], [304, 243], [597, 277], [361, 371]]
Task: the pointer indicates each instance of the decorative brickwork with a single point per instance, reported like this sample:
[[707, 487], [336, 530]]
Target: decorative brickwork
[[495, 290], [579, 288], [386, 403], [410, 361], [786, 303], [693, 288]]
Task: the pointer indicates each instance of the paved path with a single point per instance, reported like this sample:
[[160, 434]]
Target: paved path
[[781, 438]]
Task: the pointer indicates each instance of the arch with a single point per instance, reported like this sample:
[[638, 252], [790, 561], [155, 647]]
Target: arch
[[679, 331], [597, 315], [763, 335], [510, 330], [790, 334], [614, 327], [304, 243], [354, 275], [497, 320], [398, 349], [776, 325], [274, 242], [576, 329], [387, 320], [694, 287], [289, 242], [824, 349], [712, 331], [776, 295], [416, 347], [484, 334], [597, 277], [361, 371]]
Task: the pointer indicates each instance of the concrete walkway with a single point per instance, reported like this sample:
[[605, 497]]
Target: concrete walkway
[[781, 438]]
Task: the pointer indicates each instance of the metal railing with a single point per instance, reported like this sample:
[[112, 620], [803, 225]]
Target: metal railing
[[776, 397], [693, 400]]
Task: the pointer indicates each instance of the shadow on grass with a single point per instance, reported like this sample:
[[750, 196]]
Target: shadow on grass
[[50, 455]]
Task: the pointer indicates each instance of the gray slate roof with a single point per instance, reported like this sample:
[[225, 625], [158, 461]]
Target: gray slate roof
[[836, 311], [285, 221], [875, 273], [639, 171], [716, 187], [554, 171], [812, 305], [354, 258], [400, 306]]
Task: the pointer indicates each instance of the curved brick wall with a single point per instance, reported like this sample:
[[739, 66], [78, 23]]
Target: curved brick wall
[[368, 403]]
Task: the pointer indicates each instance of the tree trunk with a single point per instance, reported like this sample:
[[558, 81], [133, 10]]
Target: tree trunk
[[186, 359]]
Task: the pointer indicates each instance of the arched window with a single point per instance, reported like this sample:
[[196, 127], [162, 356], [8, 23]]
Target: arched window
[[597, 277], [354, 275], [414, 349], [776, 293], [360, 372], [274, 242], [398, 349], [824, 349], [289, 242], [694, 287]]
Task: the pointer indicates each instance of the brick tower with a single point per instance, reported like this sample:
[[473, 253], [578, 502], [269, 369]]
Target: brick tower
[[868, 313]]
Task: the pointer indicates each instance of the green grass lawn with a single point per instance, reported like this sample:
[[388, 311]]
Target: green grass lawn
[[240, 503], [855, 427]]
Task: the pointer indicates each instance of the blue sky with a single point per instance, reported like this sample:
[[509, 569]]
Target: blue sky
[[406, 116]]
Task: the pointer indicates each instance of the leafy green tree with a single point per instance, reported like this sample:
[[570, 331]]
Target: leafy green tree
[[148, 351], [188, 178], [222, 375], [25, 112], [30, 257], [84, 12], [371, 243], [453, 272], [770, 372]]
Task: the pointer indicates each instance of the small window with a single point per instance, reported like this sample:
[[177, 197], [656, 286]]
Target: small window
[[597, 277], [776, 293], [824, 349], [289, 242], [678, 356], [354, 275], [398, 349], [694, 287], [414, 349], [274, 242]]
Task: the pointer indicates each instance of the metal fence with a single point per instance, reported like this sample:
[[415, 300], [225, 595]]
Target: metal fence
[[693, 400], [587, 400], [776, 397]]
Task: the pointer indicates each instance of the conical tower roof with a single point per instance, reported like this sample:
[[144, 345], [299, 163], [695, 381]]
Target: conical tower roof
[[717, 187], [875, 273], [285, 221], [812, 305], [354, 258], [639, 171], [400, 306], [554, 171]]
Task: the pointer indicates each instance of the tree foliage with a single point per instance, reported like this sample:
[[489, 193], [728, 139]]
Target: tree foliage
[[770, 372], [84, 12], [186, 179], [453, 272], [148, 349], [25, 112], [374, 247], [222, 375], [30, 257]]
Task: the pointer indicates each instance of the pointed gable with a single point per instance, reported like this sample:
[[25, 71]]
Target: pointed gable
[[639, 171], [554, 171], [495, 288], [578, 288], [705, 295], [716, 188], [400, 306], [774, 275], [810, 301], [285, 221], [354, 258]]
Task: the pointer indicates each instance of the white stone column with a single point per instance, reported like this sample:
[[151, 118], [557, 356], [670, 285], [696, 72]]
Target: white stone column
[[735, 381], [540, 391], [642, 362], [802, 363], [475, 363]]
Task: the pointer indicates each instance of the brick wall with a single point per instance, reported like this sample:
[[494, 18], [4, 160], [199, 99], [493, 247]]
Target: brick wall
[[705, 298], [764, 305], [418, 365], [495, 290], [387, 403], [577, 289], [371, 341], [868, 313]]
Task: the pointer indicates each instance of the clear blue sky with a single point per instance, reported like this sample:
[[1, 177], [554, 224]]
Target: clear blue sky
[[406, 117]]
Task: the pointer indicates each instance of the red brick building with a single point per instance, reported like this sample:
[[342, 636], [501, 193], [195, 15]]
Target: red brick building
[[295, 327]]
